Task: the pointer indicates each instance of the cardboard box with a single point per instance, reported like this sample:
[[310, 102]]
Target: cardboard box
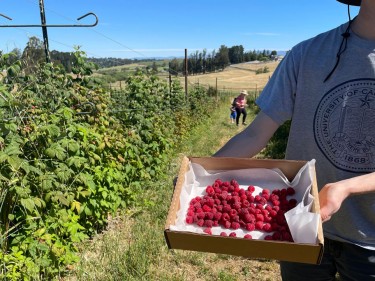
[[277, 250]]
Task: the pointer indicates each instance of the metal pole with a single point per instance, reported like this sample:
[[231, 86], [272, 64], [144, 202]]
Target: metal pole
[[44, 29]]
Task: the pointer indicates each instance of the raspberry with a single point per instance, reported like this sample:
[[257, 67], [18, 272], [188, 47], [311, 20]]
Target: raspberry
[[210, 190], [275, 202], [286, 236], [248, 236], [276, 235], [265, 191], [259, 225], [223, 234], [208, 231], [190, 213], [224, 194], [235, 225], [267, 227], [227, 208], [257, 198], [201, 215], [225, 217], [232, 234], [217, 216], [206, 208], [233, 213], [200, 222], [276, 191], [259, 217], [290, 191], [266, 196], [208, 223], [249, 218], [268, 237], [189, 219], [235, 218], [292, 203], [227, 224], [251, 188], [250, 226], [237, 205]]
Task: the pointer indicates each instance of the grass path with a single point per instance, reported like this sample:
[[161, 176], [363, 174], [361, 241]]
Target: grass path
[[133, 247]]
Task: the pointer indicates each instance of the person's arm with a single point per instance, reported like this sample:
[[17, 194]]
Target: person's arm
[[250, 141], [332, 195]]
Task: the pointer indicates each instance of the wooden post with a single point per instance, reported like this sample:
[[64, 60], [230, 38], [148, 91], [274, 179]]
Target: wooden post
[[216, 91], [186, 74]]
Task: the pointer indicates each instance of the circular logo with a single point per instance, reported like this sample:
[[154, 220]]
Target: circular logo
[[344, 125]]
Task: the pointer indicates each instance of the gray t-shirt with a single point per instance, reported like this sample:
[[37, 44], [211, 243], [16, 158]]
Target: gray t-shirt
[[332, 122]]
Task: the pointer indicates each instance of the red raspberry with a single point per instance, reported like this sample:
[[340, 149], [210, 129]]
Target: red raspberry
[[266, 196], [233, 213], [189, 220], [200, 222], [276, 191], [223, 234], [217, 216], [208, 231], [235, 225], [237, 205], [225, 217], [206, 208], [227, 224], [292, 203], [257, 198], [248, 236], [267, 227], [251, 198], [249, 218], [235, 218], [227, 208], [209, 215], [290, 191], [259, 217], [224, 194], [210, 190], [201, 215], [265, 191], [259, 225], [250, 226], [268, 237], [190, 213], [251, 188], [276, 235], [232, 234], [275, 202], [208, 223], [286, 236]]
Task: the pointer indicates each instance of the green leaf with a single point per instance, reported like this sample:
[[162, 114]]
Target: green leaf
[[28, 204]]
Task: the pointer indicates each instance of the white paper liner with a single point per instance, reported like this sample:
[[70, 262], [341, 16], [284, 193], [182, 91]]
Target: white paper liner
[[302, 223]]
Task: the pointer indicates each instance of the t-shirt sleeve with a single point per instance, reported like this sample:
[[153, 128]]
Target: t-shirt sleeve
[[277, 97]]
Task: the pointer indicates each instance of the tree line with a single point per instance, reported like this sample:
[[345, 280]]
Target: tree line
[[197, 63], [202, 62]]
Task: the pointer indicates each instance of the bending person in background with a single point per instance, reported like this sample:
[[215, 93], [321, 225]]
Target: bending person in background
[[326, 87], [241, 104]]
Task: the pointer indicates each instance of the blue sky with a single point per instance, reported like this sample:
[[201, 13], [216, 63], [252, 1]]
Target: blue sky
[[161, 28]]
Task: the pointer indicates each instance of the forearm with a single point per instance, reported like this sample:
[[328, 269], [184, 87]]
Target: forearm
[[332, 195], [360, 184], [250, 141]]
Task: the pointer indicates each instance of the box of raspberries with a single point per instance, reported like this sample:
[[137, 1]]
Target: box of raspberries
[[255, 208]]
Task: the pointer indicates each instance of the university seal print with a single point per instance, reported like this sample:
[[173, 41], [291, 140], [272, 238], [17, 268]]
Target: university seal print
[[344, 125]]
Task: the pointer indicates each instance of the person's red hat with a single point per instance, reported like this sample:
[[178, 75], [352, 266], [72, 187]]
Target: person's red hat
[[351, 2]]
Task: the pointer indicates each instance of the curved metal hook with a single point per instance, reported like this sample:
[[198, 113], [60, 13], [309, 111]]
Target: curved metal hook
[[54, 25]]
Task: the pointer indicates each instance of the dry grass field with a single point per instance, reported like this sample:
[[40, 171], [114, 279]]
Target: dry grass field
[[238, 76]]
